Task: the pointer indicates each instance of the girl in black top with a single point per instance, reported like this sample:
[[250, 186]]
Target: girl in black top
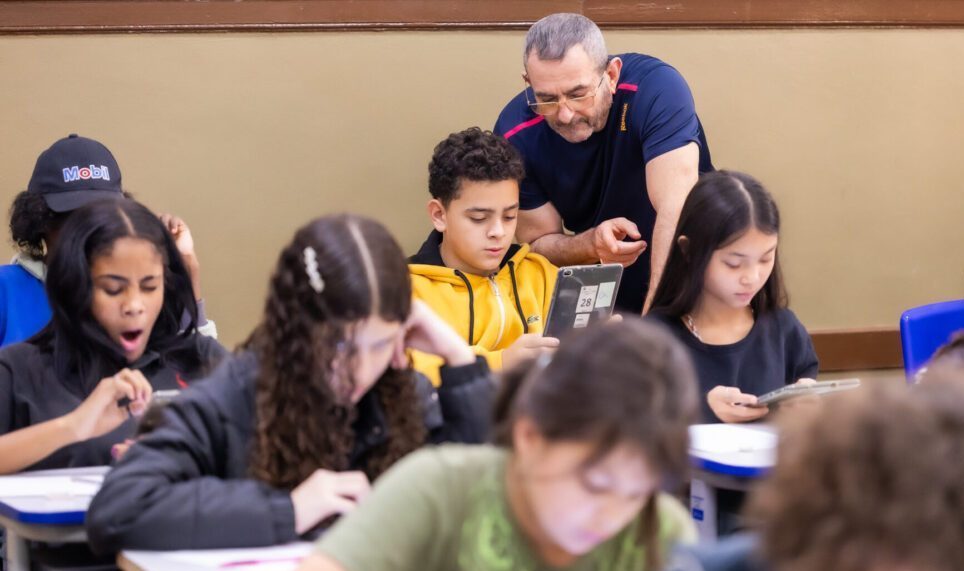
[[118, 289], [722, 294], [288, 433]]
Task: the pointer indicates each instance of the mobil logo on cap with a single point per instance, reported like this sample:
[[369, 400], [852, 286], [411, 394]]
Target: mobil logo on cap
[[86, 173]]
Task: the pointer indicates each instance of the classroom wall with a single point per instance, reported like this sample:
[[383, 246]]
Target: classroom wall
[[247, 136]]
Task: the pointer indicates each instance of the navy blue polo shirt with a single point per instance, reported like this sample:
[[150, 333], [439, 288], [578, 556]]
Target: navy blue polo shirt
[[605, 176]]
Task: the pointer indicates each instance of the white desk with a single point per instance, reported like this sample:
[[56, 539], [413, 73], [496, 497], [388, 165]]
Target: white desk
[[47, 505], [277, 558], [728, 457]]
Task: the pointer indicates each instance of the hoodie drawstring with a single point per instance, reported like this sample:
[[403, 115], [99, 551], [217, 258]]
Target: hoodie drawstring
[[468, 286], [518, 303]]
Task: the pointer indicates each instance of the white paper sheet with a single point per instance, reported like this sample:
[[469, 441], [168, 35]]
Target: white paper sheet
[[49, 486], [278, 558]]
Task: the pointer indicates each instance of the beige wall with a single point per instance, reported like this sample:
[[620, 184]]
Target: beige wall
[[859, 133]]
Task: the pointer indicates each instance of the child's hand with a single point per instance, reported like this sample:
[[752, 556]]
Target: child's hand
[[427, 332], [100, 413], [529, 346], [183, 238], [801, 402], [181, 234], [118, 450], [184, 242], [326, 493], [731, 405]]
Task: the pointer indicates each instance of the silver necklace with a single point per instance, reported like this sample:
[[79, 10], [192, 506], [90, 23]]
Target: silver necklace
[[691, 325]]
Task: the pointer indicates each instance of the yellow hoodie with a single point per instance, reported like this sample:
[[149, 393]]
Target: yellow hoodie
[[489, 312]]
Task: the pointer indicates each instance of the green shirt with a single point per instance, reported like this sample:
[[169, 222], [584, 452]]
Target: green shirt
[[445, 509]]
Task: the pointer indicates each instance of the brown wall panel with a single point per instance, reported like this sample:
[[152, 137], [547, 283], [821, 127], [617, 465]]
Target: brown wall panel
[[858, 349], [857, 133]]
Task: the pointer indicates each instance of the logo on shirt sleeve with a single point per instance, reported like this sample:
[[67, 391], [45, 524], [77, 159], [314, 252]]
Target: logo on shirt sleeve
[[622, 122]]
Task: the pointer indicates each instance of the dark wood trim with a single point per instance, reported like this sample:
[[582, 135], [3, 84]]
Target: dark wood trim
[[108, 16], [858, 349], [777, 13]]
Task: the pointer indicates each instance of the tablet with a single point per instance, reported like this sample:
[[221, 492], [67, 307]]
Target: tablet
[[583, 295], [793, 391]]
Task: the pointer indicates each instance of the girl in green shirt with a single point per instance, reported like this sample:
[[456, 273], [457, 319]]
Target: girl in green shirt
[[586, 439]]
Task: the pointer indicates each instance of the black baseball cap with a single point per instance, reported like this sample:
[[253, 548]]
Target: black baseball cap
[[75, 171]]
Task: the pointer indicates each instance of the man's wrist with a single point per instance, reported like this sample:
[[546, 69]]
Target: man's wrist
[[587, 244]]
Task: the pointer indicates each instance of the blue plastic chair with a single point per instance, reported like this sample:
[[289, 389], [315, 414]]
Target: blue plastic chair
[[923, 329]]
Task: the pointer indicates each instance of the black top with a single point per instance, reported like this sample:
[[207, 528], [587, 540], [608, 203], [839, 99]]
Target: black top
[[776, 352], [186, 485], [31, 392]]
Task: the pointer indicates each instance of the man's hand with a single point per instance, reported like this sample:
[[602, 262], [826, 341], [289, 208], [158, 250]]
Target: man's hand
[[608, 242]]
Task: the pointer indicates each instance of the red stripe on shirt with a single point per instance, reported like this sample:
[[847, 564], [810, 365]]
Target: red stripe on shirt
[[628, 86], [525, 125]]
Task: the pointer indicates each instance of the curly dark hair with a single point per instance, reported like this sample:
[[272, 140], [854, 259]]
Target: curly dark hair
[[611, 384], [475, 155], [32, 222], [302, 422], [946, 362], [873, 480]]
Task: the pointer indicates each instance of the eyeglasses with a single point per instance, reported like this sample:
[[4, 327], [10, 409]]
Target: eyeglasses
[[580, 103]]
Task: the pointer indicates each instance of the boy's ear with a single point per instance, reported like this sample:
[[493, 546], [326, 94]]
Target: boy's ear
[[436, 212], [684, 246]]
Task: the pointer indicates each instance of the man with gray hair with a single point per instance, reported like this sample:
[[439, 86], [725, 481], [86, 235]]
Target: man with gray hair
[[612, 146]]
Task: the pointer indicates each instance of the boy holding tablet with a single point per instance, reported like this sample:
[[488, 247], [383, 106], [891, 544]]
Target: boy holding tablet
[[493, 292]]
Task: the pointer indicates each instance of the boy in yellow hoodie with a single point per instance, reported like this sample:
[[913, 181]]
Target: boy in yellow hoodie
[[490, 290]]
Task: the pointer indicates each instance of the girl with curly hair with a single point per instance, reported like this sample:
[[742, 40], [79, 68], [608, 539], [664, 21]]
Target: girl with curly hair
[[871, 481], [321, 400], [585, 440]]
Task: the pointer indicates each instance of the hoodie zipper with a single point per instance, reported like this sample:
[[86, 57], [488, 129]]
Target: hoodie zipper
[[518, 302], [468, 286], [498, 298]]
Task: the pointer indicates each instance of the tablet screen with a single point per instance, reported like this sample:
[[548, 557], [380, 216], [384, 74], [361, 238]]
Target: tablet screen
[[583, 295]]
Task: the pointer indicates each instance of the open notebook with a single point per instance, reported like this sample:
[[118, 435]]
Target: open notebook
[[278, 558], [50, 486]]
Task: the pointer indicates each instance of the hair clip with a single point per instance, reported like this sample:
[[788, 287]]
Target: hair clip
[[311, 268]]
